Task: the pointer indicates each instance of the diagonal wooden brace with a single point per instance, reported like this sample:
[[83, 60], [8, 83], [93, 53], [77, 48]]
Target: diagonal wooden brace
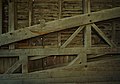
[[103, 35], [58, 25]]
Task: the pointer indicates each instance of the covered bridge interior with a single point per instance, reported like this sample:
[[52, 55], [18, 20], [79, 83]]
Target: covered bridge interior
[[59, 41]]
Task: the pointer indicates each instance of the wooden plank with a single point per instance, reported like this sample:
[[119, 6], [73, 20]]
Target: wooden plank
[[75, 61], [74, 80], [11, 16], [58, 51], [72, 37], [93, 56], [81, 58], [37, 57], [80, 76], [24, 60], [59, 39], [109, 82], [13, 67], [40, 51], [15, 15], [87, 36], [73, 71], [86, 6], [113, 31], [60, 9], [11, 19], [30, 12], [58, 25], [0, 16], [11, 81], [59, 17], [62, 73], [57, 81], [95, 66], [72, 0], [87, 31], [103, 35]]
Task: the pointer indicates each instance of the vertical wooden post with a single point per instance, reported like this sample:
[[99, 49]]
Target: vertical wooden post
[[87, 32], [113, 31], [11, 16], [15, 15], [59, 33], [0, 16], [83, 57], [59, 17], [87, 38], [86, 6], [11, 20], [59, 39], [60, 9], [113, 2], [30, 12], [24, 60]]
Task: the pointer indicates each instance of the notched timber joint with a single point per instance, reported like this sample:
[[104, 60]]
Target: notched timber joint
[[80, 59]]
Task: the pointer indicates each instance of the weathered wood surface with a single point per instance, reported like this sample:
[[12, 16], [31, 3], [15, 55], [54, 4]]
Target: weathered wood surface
[[94, 72], [11, 20], [58, 51], [58, 25], [1, 16], [48, 9], [13, 67], [72, 37], [103, 35]]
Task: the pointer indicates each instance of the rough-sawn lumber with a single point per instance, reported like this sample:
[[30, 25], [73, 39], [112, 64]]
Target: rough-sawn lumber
[[58, 25]]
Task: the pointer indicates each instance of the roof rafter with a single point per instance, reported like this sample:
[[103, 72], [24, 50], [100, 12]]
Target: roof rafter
[[57, 25]]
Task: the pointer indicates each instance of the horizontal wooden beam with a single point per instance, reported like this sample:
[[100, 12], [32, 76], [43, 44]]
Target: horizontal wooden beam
[[61, 74], [37, 81], [58, 25], [40, 51], [44, 52], [78, 71]]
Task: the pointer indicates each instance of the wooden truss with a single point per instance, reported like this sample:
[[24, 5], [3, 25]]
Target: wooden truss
[[41, 53], [85, 21], [70, 74], [58, 25]]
